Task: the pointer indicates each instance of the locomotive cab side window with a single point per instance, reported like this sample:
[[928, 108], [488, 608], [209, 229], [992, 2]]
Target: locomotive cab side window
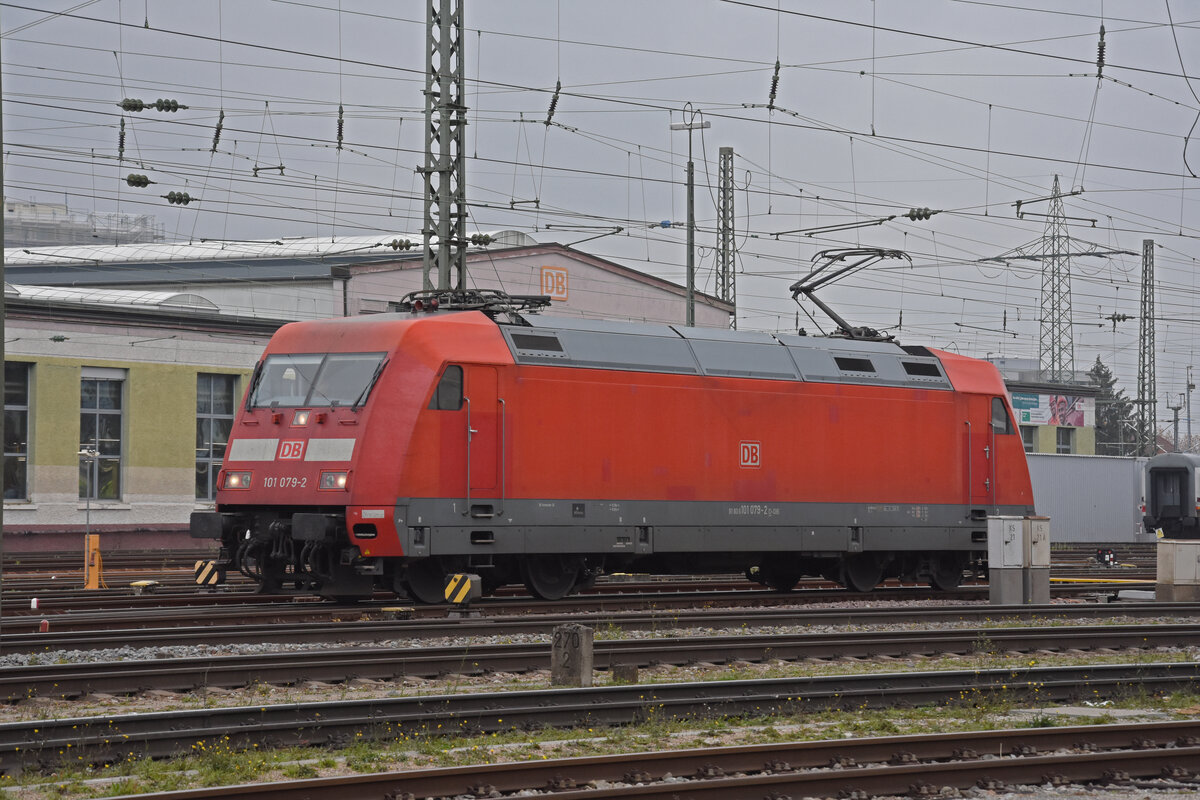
[[1001, 422], [448, 396]]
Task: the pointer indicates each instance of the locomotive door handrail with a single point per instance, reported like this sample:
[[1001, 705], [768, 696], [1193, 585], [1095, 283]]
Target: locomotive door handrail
[[992, 459], [500, 447], [970, 460], [470, 432]]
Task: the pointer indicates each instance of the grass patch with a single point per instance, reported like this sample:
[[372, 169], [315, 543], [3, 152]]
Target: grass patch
[[387, 748]]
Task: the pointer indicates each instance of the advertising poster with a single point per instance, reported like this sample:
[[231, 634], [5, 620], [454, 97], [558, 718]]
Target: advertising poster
[[1063, 410]]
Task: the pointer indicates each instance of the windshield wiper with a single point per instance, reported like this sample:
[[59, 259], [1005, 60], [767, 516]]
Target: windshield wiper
[[362, 396], [254, 380]]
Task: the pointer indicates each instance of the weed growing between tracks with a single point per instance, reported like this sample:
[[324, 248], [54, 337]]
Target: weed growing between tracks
[[383, 749], [219, 765]]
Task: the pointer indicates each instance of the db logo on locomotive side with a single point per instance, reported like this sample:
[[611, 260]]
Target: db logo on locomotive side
[[750, 454], [291, 449]]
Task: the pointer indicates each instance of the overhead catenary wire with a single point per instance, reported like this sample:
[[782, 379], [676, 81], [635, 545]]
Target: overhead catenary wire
[[563, 172]]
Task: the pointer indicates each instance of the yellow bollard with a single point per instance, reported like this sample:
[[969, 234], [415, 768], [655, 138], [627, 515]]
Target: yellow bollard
[[93, 564]]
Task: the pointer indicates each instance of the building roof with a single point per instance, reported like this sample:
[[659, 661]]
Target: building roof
[[109, 297], [208, 260]]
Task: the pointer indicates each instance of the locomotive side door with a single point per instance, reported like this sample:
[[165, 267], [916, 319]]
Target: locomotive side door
[[483, 434], [981, 452]]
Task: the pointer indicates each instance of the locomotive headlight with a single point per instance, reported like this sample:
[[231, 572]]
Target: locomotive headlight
[[333, 480], [236, 480], [300, 418]]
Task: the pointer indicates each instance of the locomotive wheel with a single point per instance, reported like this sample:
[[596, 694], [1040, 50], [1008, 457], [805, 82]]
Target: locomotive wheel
[[947, 574], [779, 580], [861, 573], [550, 577], [783, 583], [426, 581]]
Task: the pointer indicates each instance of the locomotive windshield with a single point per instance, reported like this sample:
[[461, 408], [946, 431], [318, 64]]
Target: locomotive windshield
[[316, 379]]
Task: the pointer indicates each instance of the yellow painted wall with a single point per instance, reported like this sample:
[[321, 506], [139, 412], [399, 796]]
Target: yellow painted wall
[[1047, 440], [159, 411], [54, 412], [160, 415]]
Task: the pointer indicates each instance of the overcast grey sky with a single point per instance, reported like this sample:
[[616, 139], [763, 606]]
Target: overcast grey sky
[[881, 106]]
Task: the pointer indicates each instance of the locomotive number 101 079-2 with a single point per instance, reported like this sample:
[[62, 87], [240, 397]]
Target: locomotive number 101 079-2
[[286, 482]]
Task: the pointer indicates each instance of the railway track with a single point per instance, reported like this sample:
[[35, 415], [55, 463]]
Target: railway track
[[62, 612], [65, 585], [894, 765], [44, 743], [288, 626], [68, 681], [113, 559]]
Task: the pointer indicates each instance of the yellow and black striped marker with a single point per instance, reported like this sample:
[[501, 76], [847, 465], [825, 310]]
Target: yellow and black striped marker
[[462, 588], [207, 573]]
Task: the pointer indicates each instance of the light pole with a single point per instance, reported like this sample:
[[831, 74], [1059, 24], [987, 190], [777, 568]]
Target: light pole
[[1175, 418], [88, 454], [1190, 386], [690, 125]]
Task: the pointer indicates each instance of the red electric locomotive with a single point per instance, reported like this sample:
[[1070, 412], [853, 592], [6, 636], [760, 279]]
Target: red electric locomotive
[[384, 452]]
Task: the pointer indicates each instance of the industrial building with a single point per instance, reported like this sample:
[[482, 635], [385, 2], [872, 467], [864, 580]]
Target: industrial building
[[1052, 417], [32, 224]]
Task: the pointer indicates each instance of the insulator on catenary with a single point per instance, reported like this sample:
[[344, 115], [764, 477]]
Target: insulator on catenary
[[400, 244], [774, 87], [121, 141], [130, 104], [217, 132], [916, 214], [481, 238], [1100, 54], [341, 127], [553, 101], [137, 181], [178, 198]]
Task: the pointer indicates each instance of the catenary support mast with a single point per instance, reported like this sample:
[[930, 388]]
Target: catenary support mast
[[1147, 400], [444, 229], [726, 251]]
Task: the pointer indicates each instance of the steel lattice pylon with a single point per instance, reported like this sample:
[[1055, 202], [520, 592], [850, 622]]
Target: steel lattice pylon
[[1147, 401], [726, 283], [445, 140], [1056, 345]]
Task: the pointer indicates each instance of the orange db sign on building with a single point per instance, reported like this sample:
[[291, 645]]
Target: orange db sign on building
[[554, 282]]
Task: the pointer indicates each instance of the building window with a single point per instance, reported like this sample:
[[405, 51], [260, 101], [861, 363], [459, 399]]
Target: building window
[[1066, 440], [100, 442], [214, 421], [1029, 437], [16, 430]]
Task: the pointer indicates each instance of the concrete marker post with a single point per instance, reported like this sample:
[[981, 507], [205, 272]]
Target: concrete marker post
[[571, 657]]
